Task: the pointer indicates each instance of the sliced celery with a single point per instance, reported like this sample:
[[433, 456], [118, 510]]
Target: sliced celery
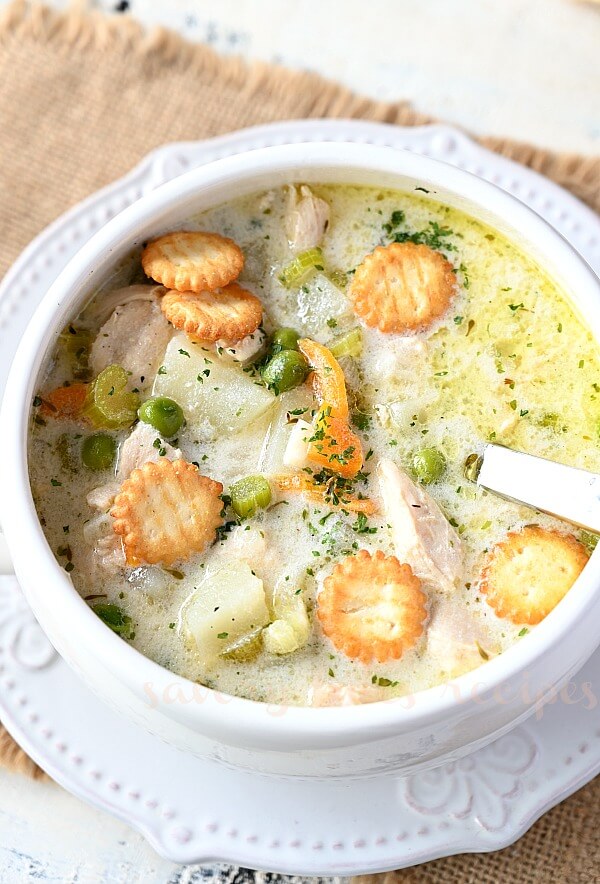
[[76, 344], [250, 494], [350, 344], [301, 266], [109, 404]]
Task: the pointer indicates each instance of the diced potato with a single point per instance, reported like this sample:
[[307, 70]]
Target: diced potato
[[291, 628], [228, 604], [210, 390], [319, 300], [271, 459]]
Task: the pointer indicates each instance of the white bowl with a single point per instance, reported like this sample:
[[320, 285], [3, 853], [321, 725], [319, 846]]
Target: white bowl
[[400, 735]]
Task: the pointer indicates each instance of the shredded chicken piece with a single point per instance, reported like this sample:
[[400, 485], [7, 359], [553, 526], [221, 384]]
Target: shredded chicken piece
[[101, 498], [135, 336], [107, 549], [109, 553], [247, 348], [455, 641], [101, 308], [306, 219], [140, 447], [422, 535], [323, 694]]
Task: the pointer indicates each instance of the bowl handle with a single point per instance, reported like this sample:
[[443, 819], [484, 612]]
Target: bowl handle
[[6, 566]]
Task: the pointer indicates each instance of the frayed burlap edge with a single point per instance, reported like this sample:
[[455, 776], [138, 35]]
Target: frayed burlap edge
[[80, 29], [15, 759]]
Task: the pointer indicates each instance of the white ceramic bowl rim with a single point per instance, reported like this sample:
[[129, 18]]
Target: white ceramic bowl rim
[[33, 557]]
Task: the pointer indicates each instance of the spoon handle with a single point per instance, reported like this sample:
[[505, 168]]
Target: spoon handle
[[565, 492]]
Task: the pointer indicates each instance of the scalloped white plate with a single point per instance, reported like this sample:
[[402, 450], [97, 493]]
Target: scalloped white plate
[[196, 811]]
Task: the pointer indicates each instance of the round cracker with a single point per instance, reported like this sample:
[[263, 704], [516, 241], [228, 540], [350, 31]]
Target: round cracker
[[530, 571], [230, 314], [372, 607], [402, 287], [193, 260], [166, 512]]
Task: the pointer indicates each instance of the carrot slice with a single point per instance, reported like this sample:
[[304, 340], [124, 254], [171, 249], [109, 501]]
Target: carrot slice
[[328, 379], [334, 446], [300, 483], [64, 402]]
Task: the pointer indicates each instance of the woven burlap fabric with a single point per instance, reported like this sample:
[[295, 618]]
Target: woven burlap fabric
[[82, 99]]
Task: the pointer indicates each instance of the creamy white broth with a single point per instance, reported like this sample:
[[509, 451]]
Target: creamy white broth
[[510, 361]]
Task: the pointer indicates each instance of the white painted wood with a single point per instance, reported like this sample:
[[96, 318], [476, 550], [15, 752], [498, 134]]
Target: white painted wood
[[49, 836]]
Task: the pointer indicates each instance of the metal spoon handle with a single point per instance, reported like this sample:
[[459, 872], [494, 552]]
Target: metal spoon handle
[[565, 492]]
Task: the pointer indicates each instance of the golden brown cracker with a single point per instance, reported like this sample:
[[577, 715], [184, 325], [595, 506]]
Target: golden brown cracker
[[230, 314], [402, 287], [193, 260], [166, 511], [530, 571], [372, 607]]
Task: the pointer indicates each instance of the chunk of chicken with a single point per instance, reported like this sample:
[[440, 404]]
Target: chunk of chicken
[[108, 554], [324, 694], [135, 336], [101, 308], [140, 447], [246, 544], [306, 219], [102, 497], [455, 641], [422, 535], [246, 349], [107, 550]]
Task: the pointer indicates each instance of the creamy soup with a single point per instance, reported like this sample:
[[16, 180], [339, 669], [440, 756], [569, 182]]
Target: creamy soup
[[322, 436]]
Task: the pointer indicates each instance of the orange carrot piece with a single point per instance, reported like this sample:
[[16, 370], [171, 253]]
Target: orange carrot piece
[[64, 402], [328, 380], [335, 446], [301, 483]]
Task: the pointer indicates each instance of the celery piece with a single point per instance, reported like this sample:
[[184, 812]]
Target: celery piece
[[76, 344], [109, 404], [301, 266], [246, 648], [350, 344], [250, 494]]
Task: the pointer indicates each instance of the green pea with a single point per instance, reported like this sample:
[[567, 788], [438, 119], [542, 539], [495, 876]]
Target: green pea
[[429, 465], [284, 339], [164, 414], [98, 451], [285, 371], [250, 494]]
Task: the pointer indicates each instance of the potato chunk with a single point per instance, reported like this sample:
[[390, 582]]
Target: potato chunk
[[228, 604], [211, 391]]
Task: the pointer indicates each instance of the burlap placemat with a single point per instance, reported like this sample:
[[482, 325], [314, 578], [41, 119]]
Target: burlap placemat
[[82, 99]]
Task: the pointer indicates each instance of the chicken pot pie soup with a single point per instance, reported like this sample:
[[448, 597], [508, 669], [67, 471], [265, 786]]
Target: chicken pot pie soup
[[254, 450]]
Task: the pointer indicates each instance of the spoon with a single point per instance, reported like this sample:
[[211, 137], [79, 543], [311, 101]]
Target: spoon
[[565, 492]]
